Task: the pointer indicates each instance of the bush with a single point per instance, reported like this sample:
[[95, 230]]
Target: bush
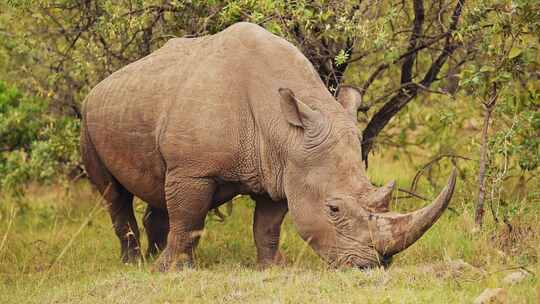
[[35, 145]]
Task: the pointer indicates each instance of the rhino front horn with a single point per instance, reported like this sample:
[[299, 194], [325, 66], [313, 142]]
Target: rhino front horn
[[393, 232]]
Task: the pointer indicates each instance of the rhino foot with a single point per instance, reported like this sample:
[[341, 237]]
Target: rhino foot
[[278, 260], [131, 255], [169, 262]]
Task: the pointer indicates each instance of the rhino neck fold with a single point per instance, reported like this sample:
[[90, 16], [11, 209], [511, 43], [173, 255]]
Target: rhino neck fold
[[270, 167]]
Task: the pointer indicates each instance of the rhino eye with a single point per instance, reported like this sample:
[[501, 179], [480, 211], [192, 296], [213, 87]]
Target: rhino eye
[[333, 208]]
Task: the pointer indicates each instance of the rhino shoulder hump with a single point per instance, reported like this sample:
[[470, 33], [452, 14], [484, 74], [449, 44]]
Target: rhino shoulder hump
[[249, 34], [257, 38], [247, 28]]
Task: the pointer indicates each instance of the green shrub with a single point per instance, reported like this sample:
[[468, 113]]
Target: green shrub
[[35, 145]]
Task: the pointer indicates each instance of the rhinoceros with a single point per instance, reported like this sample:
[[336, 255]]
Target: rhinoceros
[[201, 120]]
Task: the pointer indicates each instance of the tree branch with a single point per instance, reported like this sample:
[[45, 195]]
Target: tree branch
[[406, 94], [384, 66], [406, 68]]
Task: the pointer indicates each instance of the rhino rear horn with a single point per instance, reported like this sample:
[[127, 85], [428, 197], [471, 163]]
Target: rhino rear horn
[[379, 200], [351, 99]]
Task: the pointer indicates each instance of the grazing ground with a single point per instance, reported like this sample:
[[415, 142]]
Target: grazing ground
[[57, 246]]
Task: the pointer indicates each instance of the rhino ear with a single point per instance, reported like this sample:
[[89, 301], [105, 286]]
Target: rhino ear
[[296, 112], [351, 100]]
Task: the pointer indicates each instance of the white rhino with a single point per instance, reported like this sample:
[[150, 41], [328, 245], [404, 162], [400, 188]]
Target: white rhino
[[239, 112]]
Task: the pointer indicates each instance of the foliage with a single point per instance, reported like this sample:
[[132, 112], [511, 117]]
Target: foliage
[[86, 41], [502, 80], [508, 59], [500, 42], [423, 68], [34, 145]]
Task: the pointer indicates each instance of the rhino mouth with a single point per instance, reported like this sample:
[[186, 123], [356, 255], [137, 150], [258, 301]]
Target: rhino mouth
[[386, 261], [364, 263]]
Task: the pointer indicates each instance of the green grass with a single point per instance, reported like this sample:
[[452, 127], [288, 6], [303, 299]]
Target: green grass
[[60, 248]]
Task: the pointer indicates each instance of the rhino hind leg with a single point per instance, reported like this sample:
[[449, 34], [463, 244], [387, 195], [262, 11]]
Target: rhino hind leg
[[267, 221], [120, 206], [156, 225], [188, 201], [118, 200]]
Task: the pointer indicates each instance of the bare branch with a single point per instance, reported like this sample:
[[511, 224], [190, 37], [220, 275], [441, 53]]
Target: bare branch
[[406, 69], [384, 66], [410, 193], [419, 173]]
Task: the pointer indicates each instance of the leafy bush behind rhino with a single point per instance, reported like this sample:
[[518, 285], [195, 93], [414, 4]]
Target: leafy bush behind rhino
[[35, 145]]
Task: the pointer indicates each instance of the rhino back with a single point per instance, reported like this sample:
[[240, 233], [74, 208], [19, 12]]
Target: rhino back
[[205, 107]]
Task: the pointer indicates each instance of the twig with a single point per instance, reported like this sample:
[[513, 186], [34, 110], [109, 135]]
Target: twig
[[523, 267], [412, 194], [11, 217], [418, 174]]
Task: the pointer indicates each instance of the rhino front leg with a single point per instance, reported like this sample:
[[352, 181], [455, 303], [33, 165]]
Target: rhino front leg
[[188, 201], [156, 225], [267, 227]]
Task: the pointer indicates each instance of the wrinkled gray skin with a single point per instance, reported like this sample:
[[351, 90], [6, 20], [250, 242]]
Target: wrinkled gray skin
[[240, 112]]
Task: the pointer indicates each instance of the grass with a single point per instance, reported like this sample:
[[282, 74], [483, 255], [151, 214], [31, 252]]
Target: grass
[[59, 247]]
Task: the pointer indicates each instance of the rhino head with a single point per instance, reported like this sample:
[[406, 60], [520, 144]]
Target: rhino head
[[334, 207]]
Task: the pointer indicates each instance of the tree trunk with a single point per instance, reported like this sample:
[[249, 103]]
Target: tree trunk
[[488, 110]]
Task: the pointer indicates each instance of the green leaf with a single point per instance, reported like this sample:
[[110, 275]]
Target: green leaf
[[341, 57], [487, 68], [514, 52]]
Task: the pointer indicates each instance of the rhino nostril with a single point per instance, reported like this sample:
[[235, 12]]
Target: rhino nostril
[[386, 261]]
